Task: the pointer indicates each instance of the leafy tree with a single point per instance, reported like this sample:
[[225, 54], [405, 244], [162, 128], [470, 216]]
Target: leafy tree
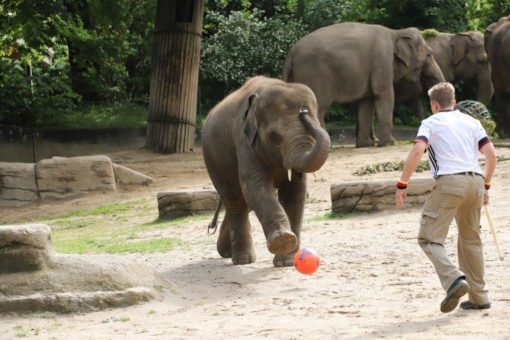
[[443, 15], [245, 44]]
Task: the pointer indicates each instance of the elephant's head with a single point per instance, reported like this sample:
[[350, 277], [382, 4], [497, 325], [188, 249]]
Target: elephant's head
[[414, 61], [470, 61], [283, 117]]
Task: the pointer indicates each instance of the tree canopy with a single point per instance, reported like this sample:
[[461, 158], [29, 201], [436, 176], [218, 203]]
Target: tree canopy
[[58, 55]]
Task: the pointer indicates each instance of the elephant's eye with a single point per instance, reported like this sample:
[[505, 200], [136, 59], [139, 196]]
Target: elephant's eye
[[275, 138]]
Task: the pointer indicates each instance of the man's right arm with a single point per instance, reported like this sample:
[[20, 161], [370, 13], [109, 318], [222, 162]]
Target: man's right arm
[[490, 160]]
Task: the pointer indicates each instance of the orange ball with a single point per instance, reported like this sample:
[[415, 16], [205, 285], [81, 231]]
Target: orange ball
[[306, 261]]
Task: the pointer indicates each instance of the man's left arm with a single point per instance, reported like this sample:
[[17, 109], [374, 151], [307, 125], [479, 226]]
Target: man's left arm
[[413, 159]]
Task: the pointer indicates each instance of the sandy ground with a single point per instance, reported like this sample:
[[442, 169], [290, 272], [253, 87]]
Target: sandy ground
[[374, 280]]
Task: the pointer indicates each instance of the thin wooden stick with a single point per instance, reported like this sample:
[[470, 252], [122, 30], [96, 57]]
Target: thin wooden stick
[[493, 230]]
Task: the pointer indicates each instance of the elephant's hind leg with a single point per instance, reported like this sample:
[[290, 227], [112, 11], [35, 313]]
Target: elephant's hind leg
[[240, 244], [223, 244]]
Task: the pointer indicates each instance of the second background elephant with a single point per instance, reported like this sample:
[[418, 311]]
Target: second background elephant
[[461, 57], [356, 62]]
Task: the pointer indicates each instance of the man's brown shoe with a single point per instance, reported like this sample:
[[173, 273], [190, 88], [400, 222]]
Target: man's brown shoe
[[458, 289], [468, 305]]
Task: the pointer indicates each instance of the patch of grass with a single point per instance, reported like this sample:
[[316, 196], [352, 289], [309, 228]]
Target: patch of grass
[[115, 246], [115, 228], [328, 217], [120, 115], [112, 208]]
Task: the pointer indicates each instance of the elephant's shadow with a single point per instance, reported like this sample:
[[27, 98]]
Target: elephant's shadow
[[215, 279]]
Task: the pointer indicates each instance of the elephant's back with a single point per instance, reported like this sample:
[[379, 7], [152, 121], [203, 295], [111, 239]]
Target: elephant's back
[[499, 55], [218, 147]]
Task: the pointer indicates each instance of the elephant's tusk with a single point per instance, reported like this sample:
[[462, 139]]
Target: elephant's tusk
[[289, 174], [313, 173]]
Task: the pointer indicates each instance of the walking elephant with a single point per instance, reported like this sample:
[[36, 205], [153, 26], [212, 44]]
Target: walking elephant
[[497, 44], [251, 140], [356, 62], [461, 57]]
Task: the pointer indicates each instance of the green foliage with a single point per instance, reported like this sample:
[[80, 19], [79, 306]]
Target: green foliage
[[430, 32], [245, 45], [54, 53], [482, 13], [443, 15]]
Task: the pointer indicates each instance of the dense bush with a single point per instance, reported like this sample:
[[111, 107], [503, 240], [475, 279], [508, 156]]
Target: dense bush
[[244, 45]]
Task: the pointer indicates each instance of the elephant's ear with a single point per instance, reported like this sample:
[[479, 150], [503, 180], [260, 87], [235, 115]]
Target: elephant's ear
[[488, 32], [250, 121], [404, 49], [459, 44]]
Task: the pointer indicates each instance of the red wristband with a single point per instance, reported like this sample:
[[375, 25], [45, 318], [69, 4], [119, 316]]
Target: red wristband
[[487, 186], [401, 185]]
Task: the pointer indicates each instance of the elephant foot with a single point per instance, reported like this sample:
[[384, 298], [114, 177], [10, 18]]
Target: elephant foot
[[225, 252], [224, 247], [365, 144], [243, 258], [281, 242], [283, 260], [387, 141]]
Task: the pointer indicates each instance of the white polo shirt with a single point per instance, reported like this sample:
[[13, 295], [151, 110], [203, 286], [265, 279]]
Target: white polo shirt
[[454, 140]]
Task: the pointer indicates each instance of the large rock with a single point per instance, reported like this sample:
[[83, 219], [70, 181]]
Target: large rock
[[127, 176], [24, 247], [375, 195], [61, 177], [17, 184], [187, 202], [66, 283]]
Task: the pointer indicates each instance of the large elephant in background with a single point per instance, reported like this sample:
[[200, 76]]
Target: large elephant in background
[[251, 140], [461, 57], [497, 44], [356, 62]]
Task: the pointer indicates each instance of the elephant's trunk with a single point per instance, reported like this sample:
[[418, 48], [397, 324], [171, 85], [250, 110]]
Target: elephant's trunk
[[431, 74], [312, 160], [485, 87]]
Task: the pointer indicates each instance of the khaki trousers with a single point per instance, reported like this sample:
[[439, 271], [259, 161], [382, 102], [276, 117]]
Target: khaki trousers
[[457, 196]]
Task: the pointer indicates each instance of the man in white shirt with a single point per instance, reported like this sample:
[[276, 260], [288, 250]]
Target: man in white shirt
[[454, 141]]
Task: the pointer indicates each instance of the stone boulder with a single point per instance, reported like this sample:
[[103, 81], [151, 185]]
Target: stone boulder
[[176, 204], [17, 184], [24, 247], [34, 278], [376, 195], [61, 177]]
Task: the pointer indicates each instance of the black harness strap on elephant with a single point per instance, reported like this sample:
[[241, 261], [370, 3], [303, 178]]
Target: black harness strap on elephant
[[214, 223]]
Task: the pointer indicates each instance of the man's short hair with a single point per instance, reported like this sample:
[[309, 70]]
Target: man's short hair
[[443, 93]]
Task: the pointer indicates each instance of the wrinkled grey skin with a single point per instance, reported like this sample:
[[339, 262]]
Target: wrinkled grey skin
[[250, 140], [356, 62], [497, 44], [460, 56]]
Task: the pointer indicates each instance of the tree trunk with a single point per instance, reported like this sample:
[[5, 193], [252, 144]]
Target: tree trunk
[[174, 80]]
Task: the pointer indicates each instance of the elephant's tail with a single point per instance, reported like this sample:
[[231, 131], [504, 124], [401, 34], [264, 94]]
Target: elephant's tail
[[287, 69], [211, 229]]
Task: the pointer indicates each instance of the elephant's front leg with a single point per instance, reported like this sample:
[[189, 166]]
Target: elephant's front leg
[[258, 191], [365, 135], [384, 104], [235, 234], [292, 196]]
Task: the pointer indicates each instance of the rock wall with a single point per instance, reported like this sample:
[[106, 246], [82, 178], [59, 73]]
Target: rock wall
[[187, 202], [17, 184], [35, 278], [62, 178], [375, 195]]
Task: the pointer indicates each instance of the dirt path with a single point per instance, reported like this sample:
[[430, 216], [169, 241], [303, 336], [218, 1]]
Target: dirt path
[[374, 281]]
